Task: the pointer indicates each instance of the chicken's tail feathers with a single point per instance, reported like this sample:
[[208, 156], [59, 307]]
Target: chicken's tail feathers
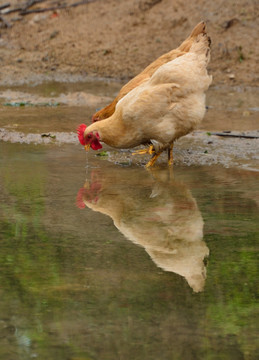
[[202, 46], [199, 29]]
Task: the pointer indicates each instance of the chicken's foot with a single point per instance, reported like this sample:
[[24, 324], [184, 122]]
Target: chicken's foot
[[149, 150], [154, 158], [170, 155]]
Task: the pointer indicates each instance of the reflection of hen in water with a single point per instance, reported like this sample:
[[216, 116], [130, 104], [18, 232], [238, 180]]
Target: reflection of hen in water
[[159, 214]]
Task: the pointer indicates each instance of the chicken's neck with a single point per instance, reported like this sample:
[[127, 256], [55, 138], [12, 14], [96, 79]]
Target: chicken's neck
[[110, 131]]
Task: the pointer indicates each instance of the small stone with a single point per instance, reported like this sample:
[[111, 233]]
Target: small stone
[[231, 76], [54, 34]]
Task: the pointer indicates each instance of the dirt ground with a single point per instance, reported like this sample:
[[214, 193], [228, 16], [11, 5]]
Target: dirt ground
[[115, 38]]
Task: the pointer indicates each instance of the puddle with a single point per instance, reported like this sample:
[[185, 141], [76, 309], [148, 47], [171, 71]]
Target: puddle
[[53, 89], [234, 109], [151, 265], [50, 113]]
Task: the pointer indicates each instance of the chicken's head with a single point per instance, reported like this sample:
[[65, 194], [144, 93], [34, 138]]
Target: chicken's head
[[88, 140]]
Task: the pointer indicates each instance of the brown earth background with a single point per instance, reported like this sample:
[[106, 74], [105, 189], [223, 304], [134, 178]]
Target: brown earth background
[[118, 38]]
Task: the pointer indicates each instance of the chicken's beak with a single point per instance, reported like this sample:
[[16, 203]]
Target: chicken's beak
[[87, 147]]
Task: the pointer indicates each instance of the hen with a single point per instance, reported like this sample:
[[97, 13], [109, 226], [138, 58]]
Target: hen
[[168, 105], [149, 71]]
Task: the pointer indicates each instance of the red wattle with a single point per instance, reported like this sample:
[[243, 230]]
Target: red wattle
[[95, 145]]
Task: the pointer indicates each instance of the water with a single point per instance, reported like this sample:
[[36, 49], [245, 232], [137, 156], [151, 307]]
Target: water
[[101, 261]]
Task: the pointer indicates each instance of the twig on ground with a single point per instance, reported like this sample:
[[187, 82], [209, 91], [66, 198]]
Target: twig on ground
[[235, 135], [30, 3], [12, 11], [53, 8], [4, 6]]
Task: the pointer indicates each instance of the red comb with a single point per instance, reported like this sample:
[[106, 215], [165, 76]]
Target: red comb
[[80, 133]]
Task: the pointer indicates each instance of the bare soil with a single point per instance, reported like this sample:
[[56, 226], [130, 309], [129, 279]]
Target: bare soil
[[114, 38]]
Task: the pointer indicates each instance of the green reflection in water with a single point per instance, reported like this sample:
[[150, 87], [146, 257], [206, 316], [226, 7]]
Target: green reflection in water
[[72, 286]]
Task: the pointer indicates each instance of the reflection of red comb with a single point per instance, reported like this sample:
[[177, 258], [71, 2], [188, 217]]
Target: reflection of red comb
[[90, 191], [79, 199], [80, 133]]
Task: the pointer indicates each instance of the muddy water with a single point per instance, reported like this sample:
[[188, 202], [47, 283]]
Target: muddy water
[[52, 107], [102, 261], [50, 113], [59, 106]]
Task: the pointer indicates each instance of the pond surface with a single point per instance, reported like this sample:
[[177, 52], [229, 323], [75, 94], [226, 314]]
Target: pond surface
[[102, 261], [229, 108]]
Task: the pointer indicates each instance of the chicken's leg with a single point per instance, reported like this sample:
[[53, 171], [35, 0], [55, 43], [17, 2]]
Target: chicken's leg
[[154, 158], [170, 155]]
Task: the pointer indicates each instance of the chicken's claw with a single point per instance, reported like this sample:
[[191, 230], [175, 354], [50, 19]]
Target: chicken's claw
[[153, 159], [150, 151]]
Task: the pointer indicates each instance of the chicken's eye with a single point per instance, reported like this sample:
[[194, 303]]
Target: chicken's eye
[[89, 136]]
